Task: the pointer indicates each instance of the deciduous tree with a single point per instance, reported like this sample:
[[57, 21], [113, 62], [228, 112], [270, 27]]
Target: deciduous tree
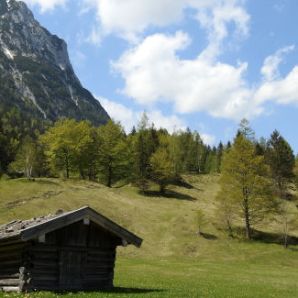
[[244, 183]]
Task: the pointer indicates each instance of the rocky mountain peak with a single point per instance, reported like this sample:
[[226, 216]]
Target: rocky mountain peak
[[37, 64]]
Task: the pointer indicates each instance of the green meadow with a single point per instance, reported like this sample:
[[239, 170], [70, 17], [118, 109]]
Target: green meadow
[[173, 260]]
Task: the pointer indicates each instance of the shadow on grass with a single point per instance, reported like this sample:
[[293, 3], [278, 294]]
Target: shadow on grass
[[208, 236], [122, 290], [182, 183], [46, 182], [274, 238], [270, 238], [169, 194], [116, 290]]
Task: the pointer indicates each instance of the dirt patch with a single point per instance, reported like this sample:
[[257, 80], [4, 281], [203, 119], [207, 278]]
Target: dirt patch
[[45, 196]]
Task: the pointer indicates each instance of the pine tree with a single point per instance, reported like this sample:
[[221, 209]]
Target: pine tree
[[280, 157], [219, 153], [145, 143]]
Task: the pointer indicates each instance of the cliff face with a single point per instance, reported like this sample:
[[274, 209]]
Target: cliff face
[[36, 75]]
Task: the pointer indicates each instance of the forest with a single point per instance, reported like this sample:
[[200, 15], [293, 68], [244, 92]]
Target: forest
[[256, 176]]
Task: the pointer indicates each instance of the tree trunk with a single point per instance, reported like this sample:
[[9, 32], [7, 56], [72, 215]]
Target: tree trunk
[[110, 173], [230, 230], [82, 174], [247, 219], [67, 171], [67, 165], [286, 243], [162, 188]]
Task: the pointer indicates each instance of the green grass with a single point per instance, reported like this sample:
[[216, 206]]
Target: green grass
[[173, 261]]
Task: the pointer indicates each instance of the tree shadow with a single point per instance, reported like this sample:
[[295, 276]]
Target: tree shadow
[[182, 183], [273, 238], [116, 290], [208, 236], [270, 238], [123, 290], [170, 194]]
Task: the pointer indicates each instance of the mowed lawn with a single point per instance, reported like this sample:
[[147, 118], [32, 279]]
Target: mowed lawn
[[173, 260]]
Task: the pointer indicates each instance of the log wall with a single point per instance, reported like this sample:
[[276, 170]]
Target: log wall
[[12, 266], [77, 257]]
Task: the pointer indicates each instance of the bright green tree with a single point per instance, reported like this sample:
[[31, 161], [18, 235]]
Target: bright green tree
[[244, 183], [26, 158], [66, 145], [162, 170], [162, 165], [114, 153]]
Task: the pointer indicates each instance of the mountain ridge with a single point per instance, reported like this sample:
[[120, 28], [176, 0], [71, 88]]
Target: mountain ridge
[[36, 75]]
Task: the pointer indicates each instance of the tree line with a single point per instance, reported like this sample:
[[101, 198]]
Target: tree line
[[256, 174], [109, 155]]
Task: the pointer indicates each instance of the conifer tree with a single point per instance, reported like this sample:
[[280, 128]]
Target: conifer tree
[[244, 183], [219, 153], [280, 157], [145, 143]]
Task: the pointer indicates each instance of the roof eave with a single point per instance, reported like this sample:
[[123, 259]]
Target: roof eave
[[75, 216]]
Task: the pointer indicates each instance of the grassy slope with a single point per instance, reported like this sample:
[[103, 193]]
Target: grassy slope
[[173, 259]]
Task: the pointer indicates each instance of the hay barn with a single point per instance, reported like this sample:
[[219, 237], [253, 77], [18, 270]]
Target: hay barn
[[63, 252]]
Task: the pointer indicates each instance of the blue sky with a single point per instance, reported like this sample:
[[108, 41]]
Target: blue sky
[[203, 64]]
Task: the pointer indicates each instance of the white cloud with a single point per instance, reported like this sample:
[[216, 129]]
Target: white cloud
[[215, 16], [129, 117], [130, 18], [46, 5], [171, 123], [271, 63], [119, 112], [153, 72], [208, 139], [281, 91]]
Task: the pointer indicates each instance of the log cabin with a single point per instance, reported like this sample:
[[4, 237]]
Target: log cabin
[[73, 251]]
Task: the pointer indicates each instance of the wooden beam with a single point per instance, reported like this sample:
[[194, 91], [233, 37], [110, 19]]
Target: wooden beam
[[87, 221], [10, 289], [42, 238]]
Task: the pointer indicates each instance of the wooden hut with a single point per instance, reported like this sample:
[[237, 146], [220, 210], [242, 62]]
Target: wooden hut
[[63, 252]]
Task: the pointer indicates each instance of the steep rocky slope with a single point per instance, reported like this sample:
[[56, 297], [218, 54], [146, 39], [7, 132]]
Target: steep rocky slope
[[36, 75]]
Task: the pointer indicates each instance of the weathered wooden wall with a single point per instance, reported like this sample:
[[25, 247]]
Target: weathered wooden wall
[[77, 257], [11, 264]]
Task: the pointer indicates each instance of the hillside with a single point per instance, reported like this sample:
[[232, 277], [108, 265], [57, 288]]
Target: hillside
[[36, 75], [174, 260]]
